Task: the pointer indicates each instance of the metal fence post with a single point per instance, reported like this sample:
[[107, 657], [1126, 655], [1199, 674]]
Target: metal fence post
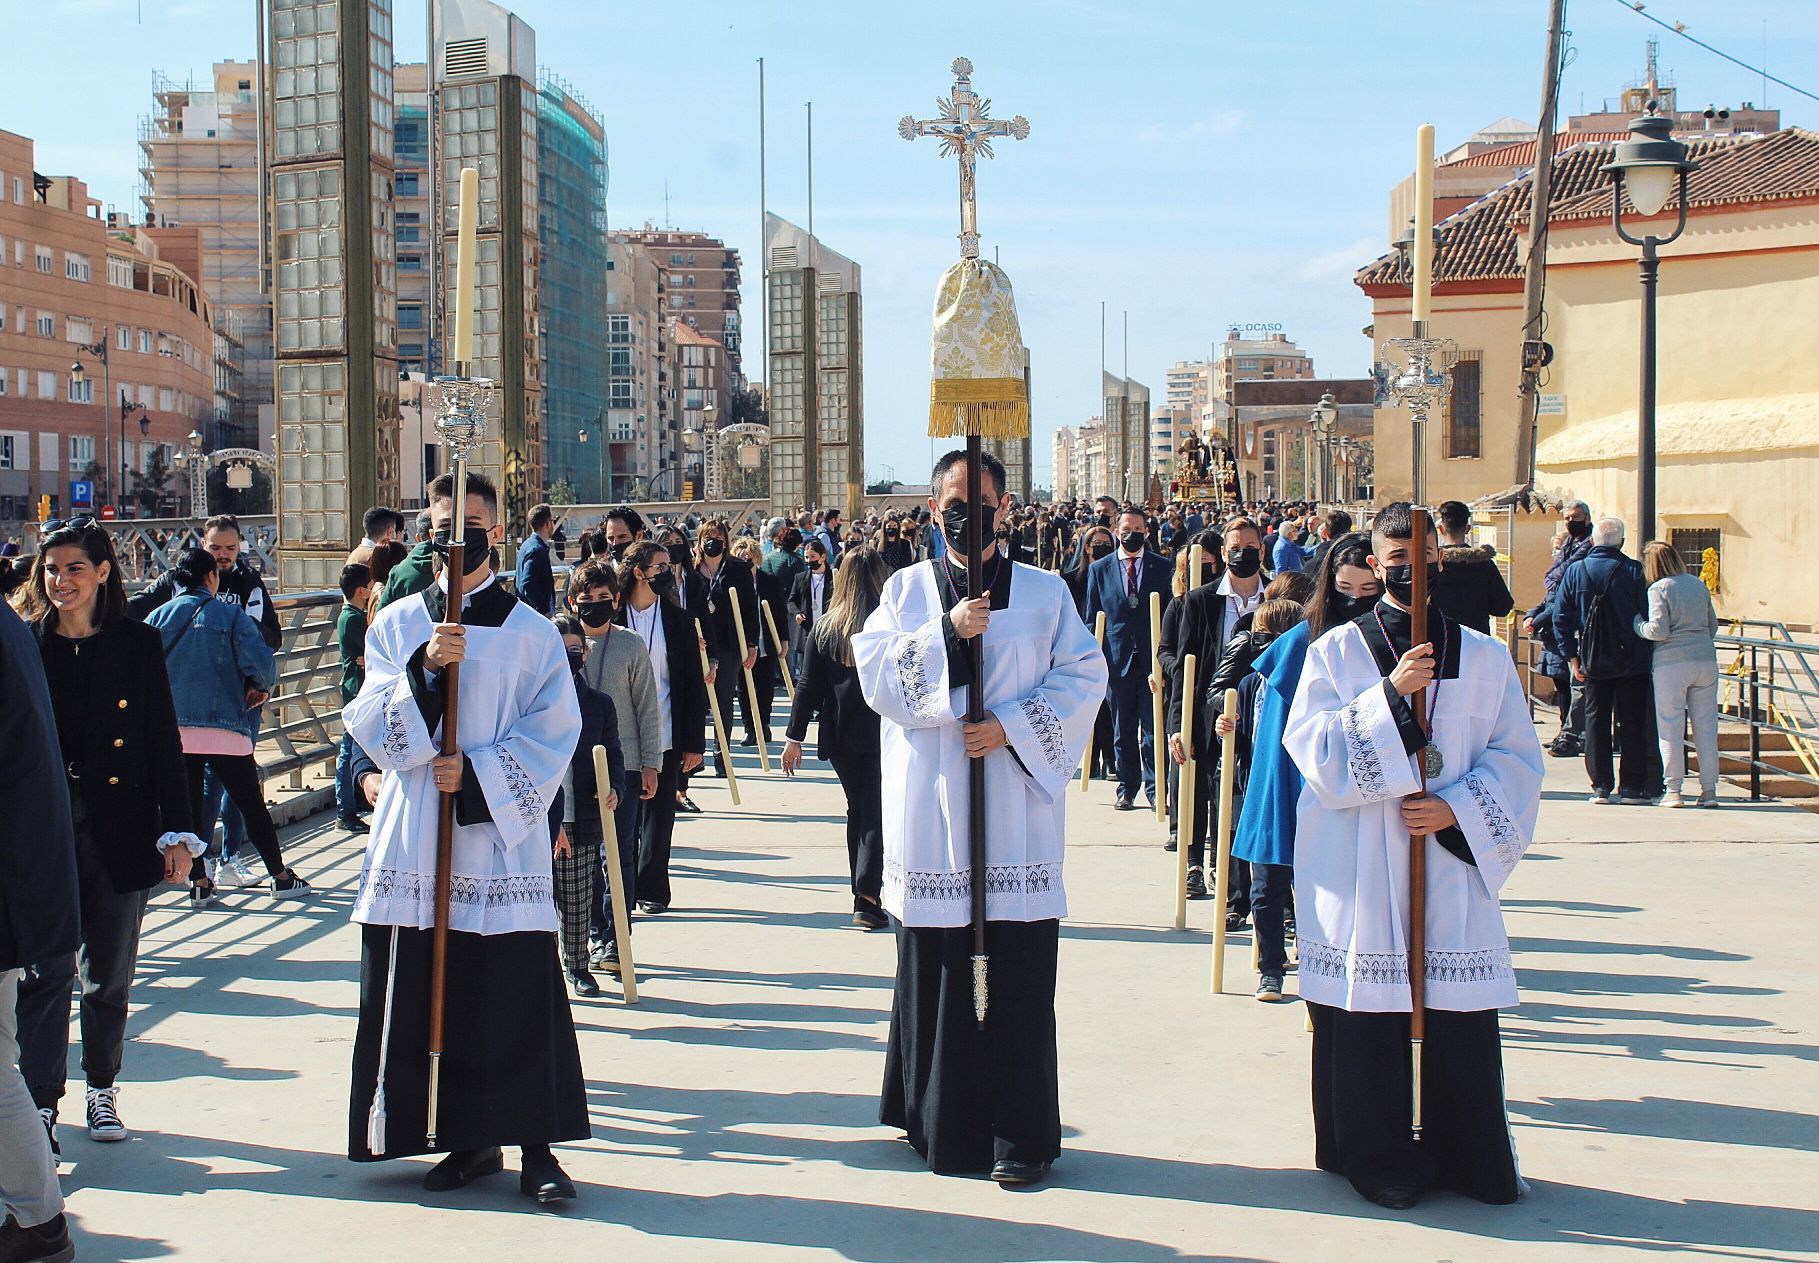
[[1755, 740]]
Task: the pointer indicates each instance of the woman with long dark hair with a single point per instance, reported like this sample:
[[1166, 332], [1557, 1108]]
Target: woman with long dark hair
[[849, 728], [129, 801]]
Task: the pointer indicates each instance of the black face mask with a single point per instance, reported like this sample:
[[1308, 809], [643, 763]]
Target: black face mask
[[1578, 529], [1100, 550], [1400, 580], [575, 658], [712, 547], [953, 525], [1133, 541], [1346, 608], [476, 548], [594, 613], [890, 534], [1244, 562], [1104, 519], [815, 563], [678, 556], [663, 582], [618, 551]]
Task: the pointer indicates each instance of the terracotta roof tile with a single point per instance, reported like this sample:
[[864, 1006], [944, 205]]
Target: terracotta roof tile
[[1522, 152], [1478, 243]]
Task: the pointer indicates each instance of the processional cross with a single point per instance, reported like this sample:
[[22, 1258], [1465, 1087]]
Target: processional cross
[[966, 130]]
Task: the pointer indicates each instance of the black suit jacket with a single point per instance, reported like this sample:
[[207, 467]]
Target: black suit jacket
[[849, 727], [1202, 632], [687, 688], [801, 602], [132, 779], [736, 584]]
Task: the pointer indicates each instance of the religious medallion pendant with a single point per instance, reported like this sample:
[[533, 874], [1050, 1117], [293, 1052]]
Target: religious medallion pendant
[[1432, 764]]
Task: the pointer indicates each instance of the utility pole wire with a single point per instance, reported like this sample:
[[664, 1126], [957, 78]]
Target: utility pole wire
[[1679, 28]]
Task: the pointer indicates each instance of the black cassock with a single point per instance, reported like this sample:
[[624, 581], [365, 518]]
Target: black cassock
[[967, 1097], [970, 1097], [511, 1070]]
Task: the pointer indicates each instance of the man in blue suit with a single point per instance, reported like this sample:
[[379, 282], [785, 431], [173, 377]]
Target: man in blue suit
[[536, 578], [1120, 587]]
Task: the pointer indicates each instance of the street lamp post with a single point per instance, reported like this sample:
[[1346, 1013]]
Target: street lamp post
[[77, 376], [1649, 166], [190, 457], [1321, 420]]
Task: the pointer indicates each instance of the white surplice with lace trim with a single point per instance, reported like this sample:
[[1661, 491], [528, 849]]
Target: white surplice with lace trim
[[519, 723], [1352, 851], [1045, 680]]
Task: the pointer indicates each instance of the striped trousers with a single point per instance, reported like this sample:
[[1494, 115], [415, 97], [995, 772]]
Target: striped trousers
[[577, 875]]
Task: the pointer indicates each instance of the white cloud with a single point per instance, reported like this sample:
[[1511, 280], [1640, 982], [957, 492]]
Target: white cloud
[[1341, 262]]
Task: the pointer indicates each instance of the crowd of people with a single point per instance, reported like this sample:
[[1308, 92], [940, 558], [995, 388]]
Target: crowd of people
[[146, 711]]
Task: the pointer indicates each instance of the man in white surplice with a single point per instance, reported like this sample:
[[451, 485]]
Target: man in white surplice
[[1353, 735], [975, 1101], [511, 1071]]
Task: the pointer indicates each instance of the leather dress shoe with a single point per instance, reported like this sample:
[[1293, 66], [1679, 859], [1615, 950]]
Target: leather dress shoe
[[1010, 1171], [582, 983], [543, 1179], [1124, 803], [1397, 1198], [463, 1167]]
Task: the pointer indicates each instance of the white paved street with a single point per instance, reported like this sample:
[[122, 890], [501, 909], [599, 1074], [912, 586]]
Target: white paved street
[[1661, 1073]]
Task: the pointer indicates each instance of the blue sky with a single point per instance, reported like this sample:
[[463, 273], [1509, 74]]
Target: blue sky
[[1195, 163]]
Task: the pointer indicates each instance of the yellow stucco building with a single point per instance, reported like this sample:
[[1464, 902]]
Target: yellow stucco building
[[1737, 417]]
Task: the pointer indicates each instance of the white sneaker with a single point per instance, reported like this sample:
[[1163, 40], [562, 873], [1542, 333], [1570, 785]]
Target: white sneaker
[[1671, 799], [1603, 800], [239, 873], [49, 1118], [103, 1119], [1709, 798]]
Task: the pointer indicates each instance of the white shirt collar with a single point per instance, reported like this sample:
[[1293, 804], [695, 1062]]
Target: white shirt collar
[[1230, 593], [467, 594]]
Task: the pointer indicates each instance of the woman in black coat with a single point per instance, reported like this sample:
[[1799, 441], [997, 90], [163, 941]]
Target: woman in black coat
[[1097, 543], [129, 800], [849, 728]]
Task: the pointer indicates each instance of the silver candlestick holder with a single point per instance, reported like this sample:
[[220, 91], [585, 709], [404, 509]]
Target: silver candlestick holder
[[1417, 377]]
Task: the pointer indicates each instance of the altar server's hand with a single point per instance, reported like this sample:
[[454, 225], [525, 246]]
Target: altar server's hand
[[970, 617], [1424, 813], [447, 645], [647, 782], [983, 737], [1415, 671], [447, 771]]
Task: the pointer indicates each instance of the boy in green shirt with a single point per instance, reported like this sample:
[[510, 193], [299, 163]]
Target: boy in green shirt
[[350, 635]]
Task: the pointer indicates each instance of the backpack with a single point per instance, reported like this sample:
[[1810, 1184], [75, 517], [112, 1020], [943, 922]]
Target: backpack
[[1604, 644]]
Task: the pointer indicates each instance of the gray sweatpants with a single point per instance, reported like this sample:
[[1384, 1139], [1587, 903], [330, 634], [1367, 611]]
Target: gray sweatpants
[[28, 1179]]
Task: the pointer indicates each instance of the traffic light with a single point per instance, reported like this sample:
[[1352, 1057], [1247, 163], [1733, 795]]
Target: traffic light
[[44, 508], [688, 488]]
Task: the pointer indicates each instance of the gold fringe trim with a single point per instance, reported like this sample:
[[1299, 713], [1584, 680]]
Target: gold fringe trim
[[977, 390], [1002, 419]]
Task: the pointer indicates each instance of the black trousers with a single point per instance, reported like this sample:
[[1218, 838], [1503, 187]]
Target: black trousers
[[764, 680], [1362, 1086], [1105, 752], [656, 830], [1626, 704], [103, 965], [239, 776], [1206, 806], [862, 777], [726, 689], [970, 1097]]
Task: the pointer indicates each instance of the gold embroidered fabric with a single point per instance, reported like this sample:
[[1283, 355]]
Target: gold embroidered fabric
[[976, 356]]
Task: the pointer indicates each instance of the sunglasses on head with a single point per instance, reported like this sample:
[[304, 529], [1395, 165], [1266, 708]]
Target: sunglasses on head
[[58, 526]]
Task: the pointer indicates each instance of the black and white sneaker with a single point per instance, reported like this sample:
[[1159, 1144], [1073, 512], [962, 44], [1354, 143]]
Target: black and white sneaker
[[287, 885], [49, 1118], [1269, 988], [103, 1117]]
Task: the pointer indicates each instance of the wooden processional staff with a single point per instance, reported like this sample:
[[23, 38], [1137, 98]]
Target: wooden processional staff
[[460, 404]]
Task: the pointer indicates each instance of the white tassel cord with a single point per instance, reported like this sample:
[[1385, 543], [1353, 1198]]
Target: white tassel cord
[[375, 1117]]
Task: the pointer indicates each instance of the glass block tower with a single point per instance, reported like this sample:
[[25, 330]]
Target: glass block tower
[[485, 63], [571, 216], [1019, 474], [817, 395], [334, 282]]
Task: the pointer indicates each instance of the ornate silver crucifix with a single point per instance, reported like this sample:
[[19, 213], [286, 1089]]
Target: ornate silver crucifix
[[966, 129]]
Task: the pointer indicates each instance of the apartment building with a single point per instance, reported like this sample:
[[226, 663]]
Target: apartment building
[[817, 399], [703, 285]]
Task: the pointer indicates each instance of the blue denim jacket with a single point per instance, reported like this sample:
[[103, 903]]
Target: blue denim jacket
[[213, 652]]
